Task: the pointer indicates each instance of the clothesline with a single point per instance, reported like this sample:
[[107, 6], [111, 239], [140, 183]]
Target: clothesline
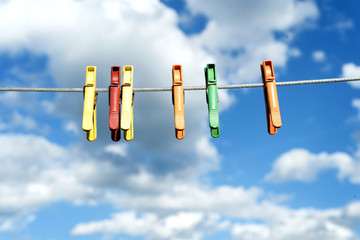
[[253, 85]]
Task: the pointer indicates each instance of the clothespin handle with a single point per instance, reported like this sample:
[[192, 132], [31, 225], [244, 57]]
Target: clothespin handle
[[127, 98], [271, 97], [212, 99], [114, 98], [178, 101], [127, 95], [129, 134], [92, 134], [90, 96]]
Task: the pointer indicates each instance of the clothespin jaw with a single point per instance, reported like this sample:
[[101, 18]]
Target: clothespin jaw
[[127, 98], [271, 97], [212, 99], [90, 97], [114, 103], [178, 101]]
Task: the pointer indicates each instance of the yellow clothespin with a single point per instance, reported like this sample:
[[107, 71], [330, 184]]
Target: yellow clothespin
[[90, 97], [127, 99]]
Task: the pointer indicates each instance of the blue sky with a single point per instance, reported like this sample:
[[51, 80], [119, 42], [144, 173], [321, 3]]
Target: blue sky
[[302, 183]]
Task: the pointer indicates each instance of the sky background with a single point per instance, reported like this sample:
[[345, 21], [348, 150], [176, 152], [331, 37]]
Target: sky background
[[302, 183]]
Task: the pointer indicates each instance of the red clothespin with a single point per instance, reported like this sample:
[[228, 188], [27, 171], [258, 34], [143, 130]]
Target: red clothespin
[[271, 97], [178, 101], [114, 103]]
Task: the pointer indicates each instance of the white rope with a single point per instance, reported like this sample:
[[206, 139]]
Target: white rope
[[254, 85]]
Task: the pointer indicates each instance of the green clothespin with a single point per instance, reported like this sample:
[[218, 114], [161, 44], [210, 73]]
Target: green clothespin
[[212, 99]]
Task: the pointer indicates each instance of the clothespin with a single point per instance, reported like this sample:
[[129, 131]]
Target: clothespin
[[271, 97], [127, 98], [178, 101], [90, 97], [114, 103], [212, 99]]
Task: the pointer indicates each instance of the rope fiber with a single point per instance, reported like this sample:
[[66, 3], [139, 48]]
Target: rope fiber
[[254, 85]]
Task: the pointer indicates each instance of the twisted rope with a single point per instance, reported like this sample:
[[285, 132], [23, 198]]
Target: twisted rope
[[253, 85]]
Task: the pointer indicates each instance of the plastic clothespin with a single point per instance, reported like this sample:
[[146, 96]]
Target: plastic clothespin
[[178, 101], [127, 98], [212, 99], [114, 103], [90, 97], [271, 97]]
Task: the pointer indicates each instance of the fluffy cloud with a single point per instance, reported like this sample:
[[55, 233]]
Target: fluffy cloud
[[350, 70], [341, 25], [301, 224], [302, 165], [184, 197], [17, 223], [184, 225], [241, 34], [12, 99], [37, 172], [356, 104], [269, 221], [117, 149], [318, 56]]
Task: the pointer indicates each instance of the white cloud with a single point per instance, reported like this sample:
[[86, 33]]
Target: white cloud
[[350, 70], [356, 104], [72, 127], [319, 56], [246, 29], [3, 125], [342, 25], [272, 222], [32, 175], [184, 197], [301, 224], [183, 225], [23, 121], [302, 165], [126, 222], [36, 172], [17, 223], [251, 231], [10, 99], [295, 52], [48, 106], [117, 149]]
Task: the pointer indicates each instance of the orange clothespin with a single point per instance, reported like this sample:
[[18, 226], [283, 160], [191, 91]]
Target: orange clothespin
[[178, 101], [114, 103], [271, 97]]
